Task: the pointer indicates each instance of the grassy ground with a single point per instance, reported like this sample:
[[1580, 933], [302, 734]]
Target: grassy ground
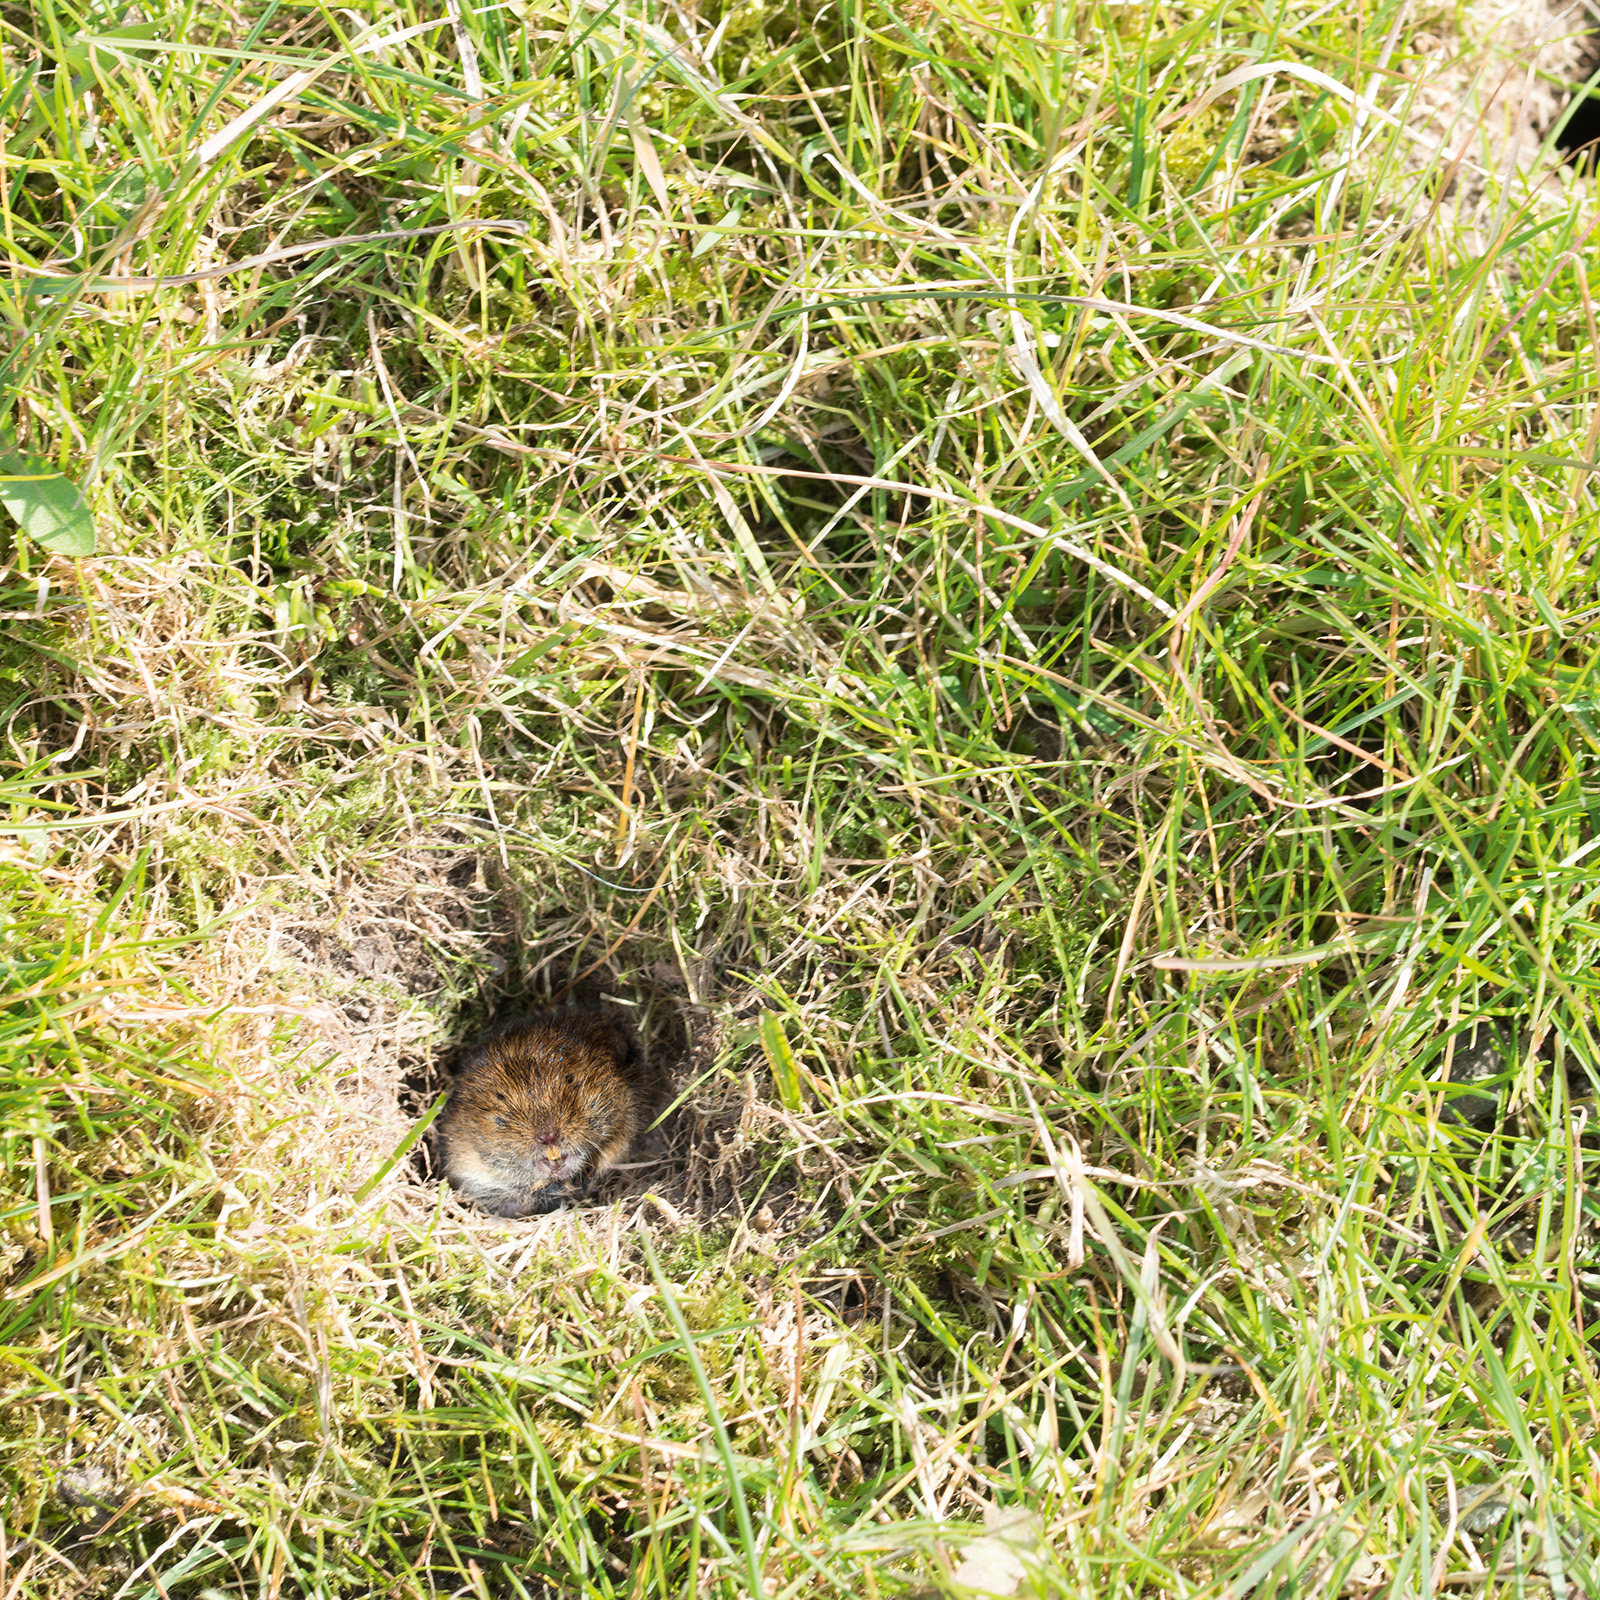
[[1021, 593]]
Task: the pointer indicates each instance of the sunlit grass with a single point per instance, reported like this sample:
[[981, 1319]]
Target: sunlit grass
[[1032, 621]]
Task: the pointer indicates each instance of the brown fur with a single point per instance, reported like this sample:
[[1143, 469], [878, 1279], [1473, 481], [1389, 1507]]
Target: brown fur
[[539, 1110]]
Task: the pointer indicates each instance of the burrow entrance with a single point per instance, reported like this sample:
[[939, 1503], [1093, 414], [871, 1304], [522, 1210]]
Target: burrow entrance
[[438, 945], [1579, 139]]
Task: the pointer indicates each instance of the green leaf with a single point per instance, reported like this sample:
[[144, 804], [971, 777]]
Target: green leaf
[[406, 1145], [49, 508], [990, 900], [785, 1072], [78, 56]]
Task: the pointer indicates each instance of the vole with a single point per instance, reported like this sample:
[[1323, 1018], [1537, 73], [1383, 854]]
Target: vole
[[539, 1110]]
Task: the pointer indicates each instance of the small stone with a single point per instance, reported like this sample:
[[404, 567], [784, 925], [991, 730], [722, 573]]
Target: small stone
[[367, 956]]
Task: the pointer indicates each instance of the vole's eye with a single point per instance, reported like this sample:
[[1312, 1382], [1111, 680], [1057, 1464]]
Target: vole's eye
[[499, 1122], [500, 1097], [569, 1077]]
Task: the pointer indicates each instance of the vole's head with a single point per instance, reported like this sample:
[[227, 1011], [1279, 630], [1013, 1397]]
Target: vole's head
[[549, 1099], [558, 1121]]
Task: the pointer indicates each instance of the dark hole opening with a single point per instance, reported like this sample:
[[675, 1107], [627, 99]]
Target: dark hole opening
[[1577, 142]]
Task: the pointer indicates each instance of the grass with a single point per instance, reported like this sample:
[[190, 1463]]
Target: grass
[[1034, 620]]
